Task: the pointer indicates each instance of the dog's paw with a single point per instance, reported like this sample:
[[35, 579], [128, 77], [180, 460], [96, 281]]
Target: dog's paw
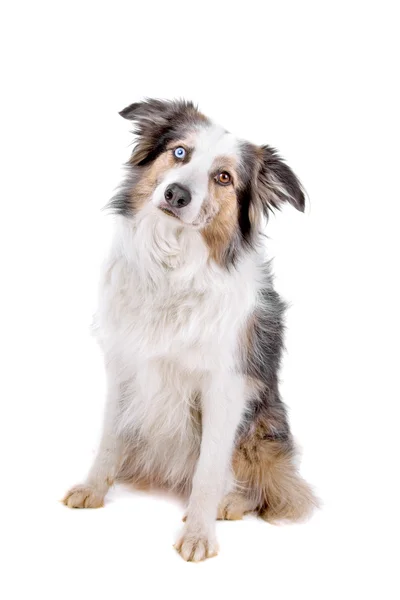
[[83, 496], [194, 546], [234, 506]]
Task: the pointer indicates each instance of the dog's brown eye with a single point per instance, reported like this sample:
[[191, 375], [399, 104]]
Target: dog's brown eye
[[223, 178]]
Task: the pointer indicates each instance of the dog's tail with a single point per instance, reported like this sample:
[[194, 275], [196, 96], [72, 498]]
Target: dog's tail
[[267, 472], [287, 496]]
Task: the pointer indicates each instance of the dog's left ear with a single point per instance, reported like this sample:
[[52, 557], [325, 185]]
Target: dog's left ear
[[276, 183]]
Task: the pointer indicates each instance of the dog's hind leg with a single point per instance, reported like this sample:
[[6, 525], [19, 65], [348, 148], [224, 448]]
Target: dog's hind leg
[[104, 470]]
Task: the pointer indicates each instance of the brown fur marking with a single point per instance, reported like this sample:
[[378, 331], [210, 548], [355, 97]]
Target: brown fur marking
[[144, 189], [223, 208], [266, 474]]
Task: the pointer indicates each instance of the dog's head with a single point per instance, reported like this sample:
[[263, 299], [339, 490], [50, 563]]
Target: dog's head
[[198, 175]]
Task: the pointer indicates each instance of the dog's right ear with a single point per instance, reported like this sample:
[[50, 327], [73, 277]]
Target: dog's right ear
[[150, 111], [129, 111], [156, 123]]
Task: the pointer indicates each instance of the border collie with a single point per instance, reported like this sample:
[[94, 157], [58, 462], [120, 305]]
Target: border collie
[[191, 329]]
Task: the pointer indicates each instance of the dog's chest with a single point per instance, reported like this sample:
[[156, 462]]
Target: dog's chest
[[192, 325], [167, 329]]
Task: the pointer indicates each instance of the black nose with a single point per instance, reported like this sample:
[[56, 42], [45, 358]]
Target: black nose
[[177, 195]]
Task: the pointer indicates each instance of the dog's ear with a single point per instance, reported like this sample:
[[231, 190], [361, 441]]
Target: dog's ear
[[149, 111], [156, 123], [276, 183]]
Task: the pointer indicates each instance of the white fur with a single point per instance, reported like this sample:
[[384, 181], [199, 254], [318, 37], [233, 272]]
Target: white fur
[[169, 323]]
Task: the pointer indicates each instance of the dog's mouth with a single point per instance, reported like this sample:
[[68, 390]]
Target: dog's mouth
[[168, 212]]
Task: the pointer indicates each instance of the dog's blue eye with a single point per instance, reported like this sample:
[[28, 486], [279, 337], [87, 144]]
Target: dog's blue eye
[[180, 152]]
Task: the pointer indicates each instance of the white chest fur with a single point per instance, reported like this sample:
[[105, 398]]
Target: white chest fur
[[166, 319]]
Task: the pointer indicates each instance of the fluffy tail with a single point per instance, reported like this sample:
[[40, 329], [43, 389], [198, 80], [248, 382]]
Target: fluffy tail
[[287, 496]]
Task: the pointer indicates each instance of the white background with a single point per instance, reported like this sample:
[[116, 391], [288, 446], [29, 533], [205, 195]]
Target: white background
[[318, 80]]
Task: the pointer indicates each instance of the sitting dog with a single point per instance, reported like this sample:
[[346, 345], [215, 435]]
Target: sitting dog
[[191, 328]]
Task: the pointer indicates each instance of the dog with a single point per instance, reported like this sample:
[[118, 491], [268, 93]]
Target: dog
[[191, 328]]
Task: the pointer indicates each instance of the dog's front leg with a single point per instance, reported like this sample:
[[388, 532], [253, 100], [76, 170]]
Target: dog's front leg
[[223, 402], [91, 493]]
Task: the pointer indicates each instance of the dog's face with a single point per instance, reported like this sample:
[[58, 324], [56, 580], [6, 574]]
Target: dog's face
[[196, 174]]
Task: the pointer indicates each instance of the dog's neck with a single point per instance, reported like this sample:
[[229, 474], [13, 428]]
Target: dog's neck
[[157, 249]]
